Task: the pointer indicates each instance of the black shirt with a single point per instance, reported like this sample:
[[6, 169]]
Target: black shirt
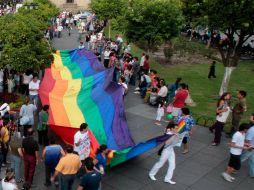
[[91, 181], [30, 146]]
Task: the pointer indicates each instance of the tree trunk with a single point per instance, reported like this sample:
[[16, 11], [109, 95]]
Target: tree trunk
[[225, 81]]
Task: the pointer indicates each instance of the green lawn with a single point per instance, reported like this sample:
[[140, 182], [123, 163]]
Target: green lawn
[[203, 90]]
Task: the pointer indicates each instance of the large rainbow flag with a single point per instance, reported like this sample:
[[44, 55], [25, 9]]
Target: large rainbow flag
[[79, 89]]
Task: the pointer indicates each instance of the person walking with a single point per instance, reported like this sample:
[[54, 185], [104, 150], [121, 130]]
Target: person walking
[[42, 127], [51, 156], [92, 179], [237, 145], [16, 156], [27, 115], [68, 166], [222, 113], [249, 155], [30, 149], [167, 154], [82, 142], [4, 140]]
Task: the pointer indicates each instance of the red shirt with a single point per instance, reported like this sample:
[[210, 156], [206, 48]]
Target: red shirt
[[180, 98], [146, 65]]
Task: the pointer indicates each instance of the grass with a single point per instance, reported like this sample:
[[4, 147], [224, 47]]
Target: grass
[[203, 90]]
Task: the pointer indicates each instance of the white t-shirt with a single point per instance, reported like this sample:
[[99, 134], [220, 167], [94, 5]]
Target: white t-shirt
[[124, 87], [84, 147], [238, 138], [106, 54], [9, 186], [34, 85], [223, 116], [27, 79], [142, 60], [163, 92]]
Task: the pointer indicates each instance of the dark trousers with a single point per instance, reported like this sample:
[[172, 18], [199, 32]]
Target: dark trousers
[[211, 74], [67, 181], [5, 152], [29, 163], [49, 171], [43, 137], [236, 118], [24, 89], [1, 160], [25, 129], [218, 126]]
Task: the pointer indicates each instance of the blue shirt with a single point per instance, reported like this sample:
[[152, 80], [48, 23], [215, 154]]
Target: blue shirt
[[102, 162], [250, 135], [52, 155], [189, 121]]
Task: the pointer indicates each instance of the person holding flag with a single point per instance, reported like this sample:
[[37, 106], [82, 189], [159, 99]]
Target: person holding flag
[[185, 123]]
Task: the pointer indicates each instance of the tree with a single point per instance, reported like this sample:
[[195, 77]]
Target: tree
[[236, 19], [108, 9], [153, 21], [24, 45], [233, 18]]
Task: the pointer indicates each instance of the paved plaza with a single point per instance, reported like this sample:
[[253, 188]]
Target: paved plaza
[[200, 169]]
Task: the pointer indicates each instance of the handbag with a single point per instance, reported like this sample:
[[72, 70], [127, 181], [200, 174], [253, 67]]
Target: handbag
[[170, 108], [160, 150], [24, 120]]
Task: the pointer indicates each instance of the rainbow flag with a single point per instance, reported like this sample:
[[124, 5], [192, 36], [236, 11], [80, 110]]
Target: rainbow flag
[[182, 127], [79, 89]]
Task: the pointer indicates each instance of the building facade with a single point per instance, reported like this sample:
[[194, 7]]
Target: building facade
[[72, 5]]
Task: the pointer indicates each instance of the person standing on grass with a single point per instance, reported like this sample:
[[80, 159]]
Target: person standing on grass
[[222, 113], [189, 121], [237, 145], [238, 110], [212, 70], [168, 154], [42, 127]]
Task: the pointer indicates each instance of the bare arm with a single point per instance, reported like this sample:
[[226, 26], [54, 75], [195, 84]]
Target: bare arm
[[20, 152], [80, 188], [37, 157]]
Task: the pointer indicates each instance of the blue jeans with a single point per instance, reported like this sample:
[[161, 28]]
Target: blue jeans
[[16, 165], [33, 98], [67, 181], [249, 155]]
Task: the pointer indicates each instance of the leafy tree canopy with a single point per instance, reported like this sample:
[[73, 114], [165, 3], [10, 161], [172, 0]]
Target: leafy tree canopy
[[153, 21]]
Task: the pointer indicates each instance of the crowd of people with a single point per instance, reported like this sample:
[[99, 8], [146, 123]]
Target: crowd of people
[[170, 101]]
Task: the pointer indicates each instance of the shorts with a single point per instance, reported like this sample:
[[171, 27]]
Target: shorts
[[235, 161], [185, 140]]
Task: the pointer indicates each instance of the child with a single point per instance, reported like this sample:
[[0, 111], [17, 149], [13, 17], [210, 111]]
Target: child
[[153, 97], [190, 123], [160, 113], [237, 145]]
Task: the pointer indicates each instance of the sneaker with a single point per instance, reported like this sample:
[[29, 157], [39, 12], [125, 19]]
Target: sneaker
[[159, 124], [137, 88], [185, 151], [232, 178], [227, 177], [214, 144], [152, 177], [3, 165], [137, 92], [170, 182]]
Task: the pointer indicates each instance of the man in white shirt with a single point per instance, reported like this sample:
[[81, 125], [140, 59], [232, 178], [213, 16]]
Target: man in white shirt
[[82, 142], [163, 92], [249, 154], [237, 145], [33, 89], [59, 29]]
